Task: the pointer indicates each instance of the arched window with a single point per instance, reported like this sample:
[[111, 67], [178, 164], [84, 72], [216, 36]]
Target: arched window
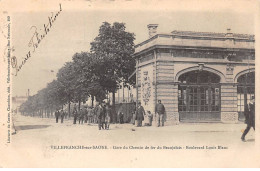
[[245, 91], [199, 96]]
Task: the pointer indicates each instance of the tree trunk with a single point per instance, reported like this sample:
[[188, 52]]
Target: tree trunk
[[113, 106], [51, 113], [69, 109], [79, 105], [92, 101]]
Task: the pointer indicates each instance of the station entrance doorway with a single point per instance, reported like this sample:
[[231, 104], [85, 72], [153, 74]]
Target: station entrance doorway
[[199, 97]]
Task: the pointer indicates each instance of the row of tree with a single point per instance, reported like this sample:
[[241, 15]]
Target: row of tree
[[90, 74]]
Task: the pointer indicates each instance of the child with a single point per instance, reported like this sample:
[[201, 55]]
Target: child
[[150, 118]]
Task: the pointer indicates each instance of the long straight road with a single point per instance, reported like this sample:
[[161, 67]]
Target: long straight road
[[42, 142]]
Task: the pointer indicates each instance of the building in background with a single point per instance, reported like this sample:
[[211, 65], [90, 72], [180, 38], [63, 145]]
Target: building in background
[[198, 76], [125, 94], [17, 101]]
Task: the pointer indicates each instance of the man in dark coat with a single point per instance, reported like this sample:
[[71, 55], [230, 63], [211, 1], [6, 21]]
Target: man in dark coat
[[75, 114], [140, 114], [100, 115], [85, 109], [249, 118], [134, 114], [160, 110], [62, 114], [90, 112], [57, 115], [121, 117], [81, 116], [103, 118]]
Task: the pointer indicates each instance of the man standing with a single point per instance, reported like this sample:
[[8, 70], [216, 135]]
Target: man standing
[[75, 114], [95, 118], [104, 115], [108, 116], [85, 109], [100, 113], [121, 117], [249, 117], [81, 116], [90, 114], [57, 114], [62, 114], [134, 114], [140, 114], [160, 110]]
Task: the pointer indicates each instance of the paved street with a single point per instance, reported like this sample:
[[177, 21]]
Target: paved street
[[41, 139]]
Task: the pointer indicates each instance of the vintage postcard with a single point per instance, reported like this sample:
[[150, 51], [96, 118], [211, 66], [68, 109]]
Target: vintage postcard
[[129, 84]]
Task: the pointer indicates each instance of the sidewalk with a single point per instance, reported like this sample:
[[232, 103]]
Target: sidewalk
[[20, 120], [40, 134]]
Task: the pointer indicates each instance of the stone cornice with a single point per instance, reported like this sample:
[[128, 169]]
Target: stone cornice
[[200, 35], [154, 47]]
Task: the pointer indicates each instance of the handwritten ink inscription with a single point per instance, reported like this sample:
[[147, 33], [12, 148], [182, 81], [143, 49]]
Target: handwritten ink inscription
[[35, 41]]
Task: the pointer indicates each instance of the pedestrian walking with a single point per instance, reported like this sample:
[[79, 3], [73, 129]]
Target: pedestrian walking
[[249, 118], [140, 114], [62, 114], [57, 115], [75, 114], [108, 116], [160, 111]]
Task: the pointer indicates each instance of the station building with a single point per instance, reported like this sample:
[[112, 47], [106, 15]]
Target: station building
[[198, 76]]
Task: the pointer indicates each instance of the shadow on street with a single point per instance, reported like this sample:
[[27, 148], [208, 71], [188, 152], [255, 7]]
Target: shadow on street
[[25, 127]]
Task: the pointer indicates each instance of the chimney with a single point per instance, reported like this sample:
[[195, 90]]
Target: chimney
[[229, 33], [152, 29], [228, 30]]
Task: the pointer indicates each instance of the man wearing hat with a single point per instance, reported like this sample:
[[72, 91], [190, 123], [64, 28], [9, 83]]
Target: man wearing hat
[[140, 114], [57, 115], [75, 114], [62, 114], [81, 116], [100, 115], [249, 117]]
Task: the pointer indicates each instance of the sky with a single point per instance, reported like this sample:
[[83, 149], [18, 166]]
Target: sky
[[73, 31]]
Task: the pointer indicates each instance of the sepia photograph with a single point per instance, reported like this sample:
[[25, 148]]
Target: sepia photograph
[[129, 84]]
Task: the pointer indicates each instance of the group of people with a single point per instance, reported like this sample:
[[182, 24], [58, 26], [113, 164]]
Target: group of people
[[60, 113], [160, 113], [102, 114]]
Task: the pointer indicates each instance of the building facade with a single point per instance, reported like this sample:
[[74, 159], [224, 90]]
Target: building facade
[[17, 101], [198, 76]]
